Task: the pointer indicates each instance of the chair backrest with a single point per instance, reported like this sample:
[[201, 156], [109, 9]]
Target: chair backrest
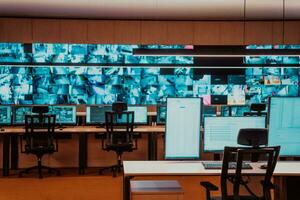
[[39, 131], [119, 126], [240, 154]]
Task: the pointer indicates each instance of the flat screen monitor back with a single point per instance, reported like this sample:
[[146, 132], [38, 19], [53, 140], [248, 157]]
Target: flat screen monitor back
[[223, 131], [284, 124], [183, 128], [5, 115]]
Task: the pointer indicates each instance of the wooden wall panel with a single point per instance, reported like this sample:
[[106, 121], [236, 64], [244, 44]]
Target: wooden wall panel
[[258, 33], [180, 32], [101, 31], [127, 32], [28, 30], [46, 30], [15, 30], [207, 33], [154, 32], [277, 29], [292, 32], [231, 33], [73, 31]]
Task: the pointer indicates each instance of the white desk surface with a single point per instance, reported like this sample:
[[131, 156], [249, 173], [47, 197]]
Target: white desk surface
[[147, 168]]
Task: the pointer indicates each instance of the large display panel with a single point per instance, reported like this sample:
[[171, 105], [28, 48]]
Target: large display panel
[[223, 131], [284, 124], [183, 128], [5, 115], [65, 115], [140, 114], [96, 114]]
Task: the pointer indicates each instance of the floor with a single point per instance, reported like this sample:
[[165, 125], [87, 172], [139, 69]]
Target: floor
[[68, 187]]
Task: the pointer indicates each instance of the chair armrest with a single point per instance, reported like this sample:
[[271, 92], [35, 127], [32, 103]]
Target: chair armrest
[[209, 186]]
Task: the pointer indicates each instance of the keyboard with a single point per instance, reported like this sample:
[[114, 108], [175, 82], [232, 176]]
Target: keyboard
[[218, 165]]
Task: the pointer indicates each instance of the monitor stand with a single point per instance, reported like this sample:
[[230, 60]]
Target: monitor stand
[[60, 127], [217, 156]]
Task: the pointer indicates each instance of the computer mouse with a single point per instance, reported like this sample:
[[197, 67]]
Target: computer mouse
[[264, 166]]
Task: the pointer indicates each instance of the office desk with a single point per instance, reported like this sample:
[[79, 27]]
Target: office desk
[[193, 168], [11, 134]]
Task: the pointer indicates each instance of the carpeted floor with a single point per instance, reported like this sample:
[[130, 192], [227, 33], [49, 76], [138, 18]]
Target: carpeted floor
[[68, 187]]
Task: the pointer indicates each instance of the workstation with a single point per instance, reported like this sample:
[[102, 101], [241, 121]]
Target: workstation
[[160, 100]]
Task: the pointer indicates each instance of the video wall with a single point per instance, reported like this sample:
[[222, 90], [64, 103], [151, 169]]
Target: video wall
[[48, 83]]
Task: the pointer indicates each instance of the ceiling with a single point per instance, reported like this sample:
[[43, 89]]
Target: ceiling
[[153, 9]]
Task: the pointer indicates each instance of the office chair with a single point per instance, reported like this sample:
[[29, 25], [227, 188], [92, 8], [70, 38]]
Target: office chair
[[39, 140], [119, 136], [239, 155]]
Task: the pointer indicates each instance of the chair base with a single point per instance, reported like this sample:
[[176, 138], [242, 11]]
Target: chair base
[[114, 168], [39, 169]]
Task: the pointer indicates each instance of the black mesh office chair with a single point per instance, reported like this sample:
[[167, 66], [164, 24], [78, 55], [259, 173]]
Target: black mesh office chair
[[240, 155], [119, 136], [39, 140]]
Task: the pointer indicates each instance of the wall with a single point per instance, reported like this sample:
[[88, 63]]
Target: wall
[[29, 30]]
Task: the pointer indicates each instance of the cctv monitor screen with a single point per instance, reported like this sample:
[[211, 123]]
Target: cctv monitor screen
[[140, 114], [96, 114], [19, 113], [223, 131], [161, 114], [64, 114], [284, 124], [5, 115], [183, 128]]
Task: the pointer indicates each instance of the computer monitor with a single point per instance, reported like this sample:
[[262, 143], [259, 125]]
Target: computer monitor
[[65, 114], [19, 113], [284, 124], [209, 111], [5, 115], [161, 114], [223, 131], [182, 138], [140, 114], [95, 114]]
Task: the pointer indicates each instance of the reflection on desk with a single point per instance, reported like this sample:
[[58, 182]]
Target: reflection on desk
[[85, 129]]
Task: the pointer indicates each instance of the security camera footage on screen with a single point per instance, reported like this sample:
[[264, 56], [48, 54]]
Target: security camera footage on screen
[[284, 124], [183, 128], [223, 131], [5, 115], [135, 85], [64, 114]]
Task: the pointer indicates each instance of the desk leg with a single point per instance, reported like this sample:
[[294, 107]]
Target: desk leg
[[152, 146], [6, 145], [14, 153], [82, 152], [126, 187]]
